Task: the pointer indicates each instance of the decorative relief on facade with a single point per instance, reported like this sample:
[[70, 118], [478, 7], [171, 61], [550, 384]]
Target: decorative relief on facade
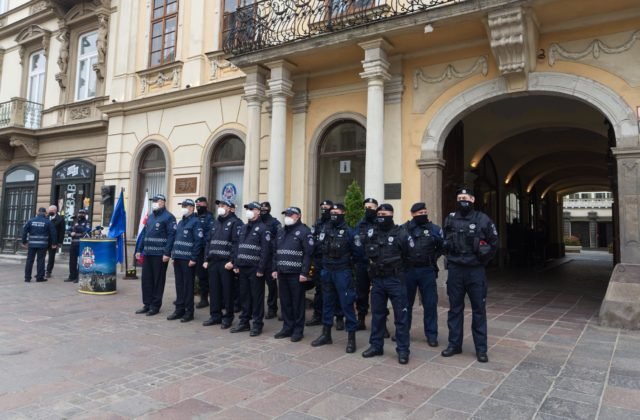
[[38, 7], [218, 66], [622, 51], [29, 143], [79, 113], [430, 82], [63, 56], [159, 80], [33, 34], [101, 45]]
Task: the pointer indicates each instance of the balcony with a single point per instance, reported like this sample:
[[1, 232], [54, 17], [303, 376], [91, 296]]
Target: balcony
[[19, 112], [587, 203], [270, 23]]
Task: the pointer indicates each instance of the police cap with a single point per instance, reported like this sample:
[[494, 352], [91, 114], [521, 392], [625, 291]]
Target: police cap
[[292, 210], [201, 200], [418, 206], [339, 206], [159, 197], [265, 205], [254, 205], [370, 200], [81, 211], [226, 202], [327, 203], [187, 202], [384, 207], [465, 190], [42, 210]]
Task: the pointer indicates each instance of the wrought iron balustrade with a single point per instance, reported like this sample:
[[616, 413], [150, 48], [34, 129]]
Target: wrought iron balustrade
[[269, 23], [19, 112]]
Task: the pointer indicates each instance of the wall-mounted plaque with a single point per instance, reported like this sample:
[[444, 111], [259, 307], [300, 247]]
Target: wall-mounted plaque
[[186, 185]]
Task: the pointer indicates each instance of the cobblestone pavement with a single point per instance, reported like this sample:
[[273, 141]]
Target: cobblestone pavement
[[68, 355]]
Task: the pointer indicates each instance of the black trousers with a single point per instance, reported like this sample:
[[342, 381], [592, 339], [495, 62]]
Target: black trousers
[[363, 286], [292, 303], [318, 297], [251, 297], [185, 277], [154, 276], [470, 281], [221, 292], [272, 292], [203, 276], [51, 259], [74, 252], [32, 254]]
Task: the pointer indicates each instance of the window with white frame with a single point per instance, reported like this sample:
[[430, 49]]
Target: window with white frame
[[85, 75], [4, 6], [37, 69]]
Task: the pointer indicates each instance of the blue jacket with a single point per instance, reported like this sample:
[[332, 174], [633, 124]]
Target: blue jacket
[[272, 224], [158, 234], [206, 220], [253, 246], [428, 240], [189, 239], [80, 228], [293, 250], [222, 238], [360, 232], [470, 240], [39, 232], [336, 246]]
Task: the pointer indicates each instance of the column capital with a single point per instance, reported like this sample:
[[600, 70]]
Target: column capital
[[375, 63], [255, 84], [431, 163], [280, 83]]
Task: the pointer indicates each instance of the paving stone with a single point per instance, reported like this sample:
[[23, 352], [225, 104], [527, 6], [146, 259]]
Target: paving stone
[[526, 379], [279, 401], [578, 385], [377, 409], [615, 413], [433, 412], [622, 397], [574, 396], [471, 387], [456, 400], [361, 386], [135, 406], [499, 410], [332, 405], [296, 415], [518, 395], [190, 408], [407, 393], [570, 409]]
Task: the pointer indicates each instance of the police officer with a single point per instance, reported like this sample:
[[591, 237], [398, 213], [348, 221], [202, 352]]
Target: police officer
[[58, 224], [77, 231], [272, 284], [363, 282], [156, 243], [219, 265], [387, 247], [471, 241], [293, 251], [39, 233], [206, 219], [423, 269], [325, 215], [250, 259], [336, 248], [186, 250]]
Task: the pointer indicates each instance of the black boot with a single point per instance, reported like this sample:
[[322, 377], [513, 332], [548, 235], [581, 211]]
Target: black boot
[[325, 338], [204, 301], [351, 342], [361, 325], [339, 323], [316, 320]]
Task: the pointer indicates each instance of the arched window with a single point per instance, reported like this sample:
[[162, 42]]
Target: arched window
[[341, 159], [18, 204], [151, 175], [227, 170]]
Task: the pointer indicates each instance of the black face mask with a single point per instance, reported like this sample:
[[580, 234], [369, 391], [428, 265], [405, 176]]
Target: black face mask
[[325, 214], [52, 214], [202, 210], [337, 219], [369, 214], [81, 218], [421, 219], [385, 222], [264, 213], [465, 207]]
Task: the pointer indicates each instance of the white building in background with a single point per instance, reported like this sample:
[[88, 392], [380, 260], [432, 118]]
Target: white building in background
[[587, 216]]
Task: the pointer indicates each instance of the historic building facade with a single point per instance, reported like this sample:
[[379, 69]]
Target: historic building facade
[[52, 136], [527, 100]]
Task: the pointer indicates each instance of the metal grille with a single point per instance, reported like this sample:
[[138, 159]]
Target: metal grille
[[269, 23], [19, 207]]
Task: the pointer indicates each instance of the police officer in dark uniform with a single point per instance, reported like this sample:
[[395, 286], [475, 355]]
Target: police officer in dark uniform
[[39, 233], [387, 247], [206, 219], [272, 284], [250, 260], [186, 249], [58, 224], [156, 243], [325, 215], [219, 265], [423, 269], [77, 231], [471, 241], [335, 242], [363, 282], [292, 254]]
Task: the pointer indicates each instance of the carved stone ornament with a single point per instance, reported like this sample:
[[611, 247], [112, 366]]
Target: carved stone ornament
[[594, 49], [30, 35], [161, 78], [63, 56], [30, 144], [79, 113], [450, 72], [38, 7], [101, 45], [217, 65]]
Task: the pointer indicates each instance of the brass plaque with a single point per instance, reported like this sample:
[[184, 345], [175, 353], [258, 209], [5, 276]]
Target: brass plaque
[[186, 185]]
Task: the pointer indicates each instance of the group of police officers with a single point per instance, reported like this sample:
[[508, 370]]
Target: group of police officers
[[237, 262]]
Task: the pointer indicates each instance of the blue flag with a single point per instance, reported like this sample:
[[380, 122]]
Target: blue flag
[[117, 227]]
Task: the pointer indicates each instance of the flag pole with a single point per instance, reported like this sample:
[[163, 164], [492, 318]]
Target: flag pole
[[129, 274]]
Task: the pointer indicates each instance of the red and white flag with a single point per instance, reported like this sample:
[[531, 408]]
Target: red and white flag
[[143, 221]]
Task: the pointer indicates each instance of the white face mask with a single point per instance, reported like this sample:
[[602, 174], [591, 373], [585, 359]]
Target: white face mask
[[184, 211], [289, 220], [221, 211], [250, 214], [155, 206]]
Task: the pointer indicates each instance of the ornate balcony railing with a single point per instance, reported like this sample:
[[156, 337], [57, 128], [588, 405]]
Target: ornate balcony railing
[[269, 23], [19, 112]]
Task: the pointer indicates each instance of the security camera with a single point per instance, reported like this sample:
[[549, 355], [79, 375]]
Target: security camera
[[188, 86], [114, 100], [428, 28]]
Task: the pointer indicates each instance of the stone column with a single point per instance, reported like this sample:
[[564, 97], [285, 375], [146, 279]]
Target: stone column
[[375, 65], [280, 90], [566, 224], [593, 229], [299, 166], [254, 94], [628, 160], [431, 171]]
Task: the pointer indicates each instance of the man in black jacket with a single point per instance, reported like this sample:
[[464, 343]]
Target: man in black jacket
[[58, 225]]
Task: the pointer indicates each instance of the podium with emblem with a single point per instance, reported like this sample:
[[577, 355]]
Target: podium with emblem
[[97, 266]]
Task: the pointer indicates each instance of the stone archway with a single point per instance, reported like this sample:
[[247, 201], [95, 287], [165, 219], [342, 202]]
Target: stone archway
[[593, 93]]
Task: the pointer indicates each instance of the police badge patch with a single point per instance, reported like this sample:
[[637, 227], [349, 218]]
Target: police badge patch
[[390, 239], [185, 232], [257, 228], [297, 233], [370, 233], [411, 243], [267, 236], [356, 240], [472, 226], [200, 235], [321, 237], [311, 241]]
